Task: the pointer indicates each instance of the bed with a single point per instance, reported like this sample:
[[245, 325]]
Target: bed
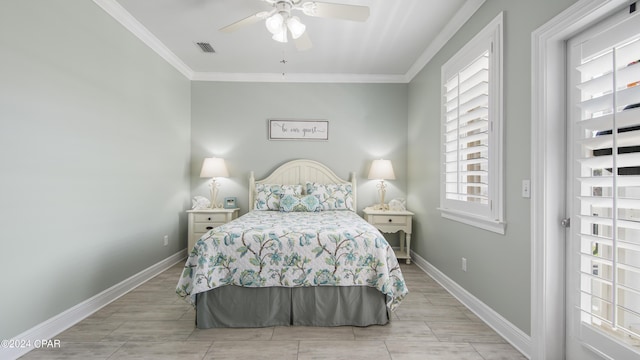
[[300, 256]]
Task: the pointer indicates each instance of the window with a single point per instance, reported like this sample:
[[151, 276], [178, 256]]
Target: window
[[472, 163], [605, 92]]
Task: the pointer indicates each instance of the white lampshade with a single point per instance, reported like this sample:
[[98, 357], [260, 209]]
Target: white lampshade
[[381, 170], [275, 24], [214, 167], [296, 27], [281, 36]]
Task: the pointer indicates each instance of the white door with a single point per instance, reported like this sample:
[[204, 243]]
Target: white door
[[603, 247]]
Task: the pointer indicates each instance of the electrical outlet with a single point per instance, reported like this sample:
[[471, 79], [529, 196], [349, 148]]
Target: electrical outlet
[[464, 264], [166, 240], [526, 189]]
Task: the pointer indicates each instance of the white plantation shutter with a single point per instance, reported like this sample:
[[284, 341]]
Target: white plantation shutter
[[607, 186], [467, 133], [471, 189]]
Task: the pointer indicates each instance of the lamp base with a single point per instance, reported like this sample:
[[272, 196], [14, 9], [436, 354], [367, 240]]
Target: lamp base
[[382, 190], [381, 207], [213, 190]]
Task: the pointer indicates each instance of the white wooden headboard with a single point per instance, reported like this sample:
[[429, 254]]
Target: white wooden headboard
[[298, 172]]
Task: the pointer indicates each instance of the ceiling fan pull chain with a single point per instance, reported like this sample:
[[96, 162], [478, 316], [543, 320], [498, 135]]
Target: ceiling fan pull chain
[[284, 63]]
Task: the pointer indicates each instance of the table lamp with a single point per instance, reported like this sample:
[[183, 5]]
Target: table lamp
[[381, 170]]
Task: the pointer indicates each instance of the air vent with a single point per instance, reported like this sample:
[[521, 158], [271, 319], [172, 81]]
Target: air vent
[[206, 47]]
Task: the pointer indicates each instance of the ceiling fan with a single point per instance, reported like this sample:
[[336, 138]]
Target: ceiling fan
[[281, 23]]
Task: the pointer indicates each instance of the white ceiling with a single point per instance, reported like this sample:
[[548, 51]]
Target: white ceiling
[[391, 46]]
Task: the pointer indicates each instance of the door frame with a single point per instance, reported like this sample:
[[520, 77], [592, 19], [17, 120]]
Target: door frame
[[548, 171]]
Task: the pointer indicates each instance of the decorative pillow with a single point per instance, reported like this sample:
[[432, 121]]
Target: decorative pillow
[[267, 196], [332, 196], [299, 203]]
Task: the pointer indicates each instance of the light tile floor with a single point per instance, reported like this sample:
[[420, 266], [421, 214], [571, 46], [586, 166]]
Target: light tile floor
[[151, 322]]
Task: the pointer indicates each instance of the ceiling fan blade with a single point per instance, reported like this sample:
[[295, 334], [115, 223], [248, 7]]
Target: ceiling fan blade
[[338, 11], [303, 42], [246, 21]]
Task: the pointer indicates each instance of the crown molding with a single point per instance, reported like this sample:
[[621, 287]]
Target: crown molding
[[130, 23], [113, 8], [460, 18], [299, 77]]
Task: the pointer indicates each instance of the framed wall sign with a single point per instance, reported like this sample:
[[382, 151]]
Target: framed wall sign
[[298, 129]]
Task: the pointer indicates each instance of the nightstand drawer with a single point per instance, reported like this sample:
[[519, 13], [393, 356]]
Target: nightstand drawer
[[210, 218], [204, 227], [390, 219], [201, 221], [197, 236]]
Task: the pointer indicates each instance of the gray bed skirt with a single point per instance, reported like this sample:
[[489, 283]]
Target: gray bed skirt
[[234, 306]]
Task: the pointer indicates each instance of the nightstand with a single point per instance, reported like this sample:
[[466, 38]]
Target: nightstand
[[392, 221], [201, 221]]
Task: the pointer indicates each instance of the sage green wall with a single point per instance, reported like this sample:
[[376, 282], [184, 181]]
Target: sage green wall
[[98, 157], [499, 266], [94, 157], [366, 121]]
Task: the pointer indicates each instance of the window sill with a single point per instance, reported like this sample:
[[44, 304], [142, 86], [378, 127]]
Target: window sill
[[479, 222]]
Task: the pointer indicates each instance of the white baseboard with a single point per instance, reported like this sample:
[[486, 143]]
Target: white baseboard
[[516, 337], [61, 322]]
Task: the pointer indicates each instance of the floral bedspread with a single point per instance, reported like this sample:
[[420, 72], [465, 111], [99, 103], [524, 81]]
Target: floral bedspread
[[294, 249]]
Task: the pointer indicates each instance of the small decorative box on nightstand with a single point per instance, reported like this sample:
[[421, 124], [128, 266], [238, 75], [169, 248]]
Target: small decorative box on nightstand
[[201, 221], [392, 221]]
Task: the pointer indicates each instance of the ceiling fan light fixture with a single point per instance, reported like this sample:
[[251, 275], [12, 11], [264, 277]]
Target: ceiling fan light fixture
[[281, 24], [296, 27], [275, 24], [281, 36]]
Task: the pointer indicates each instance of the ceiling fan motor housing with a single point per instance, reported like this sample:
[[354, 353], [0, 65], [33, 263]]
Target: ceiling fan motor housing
[[284, 7]]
